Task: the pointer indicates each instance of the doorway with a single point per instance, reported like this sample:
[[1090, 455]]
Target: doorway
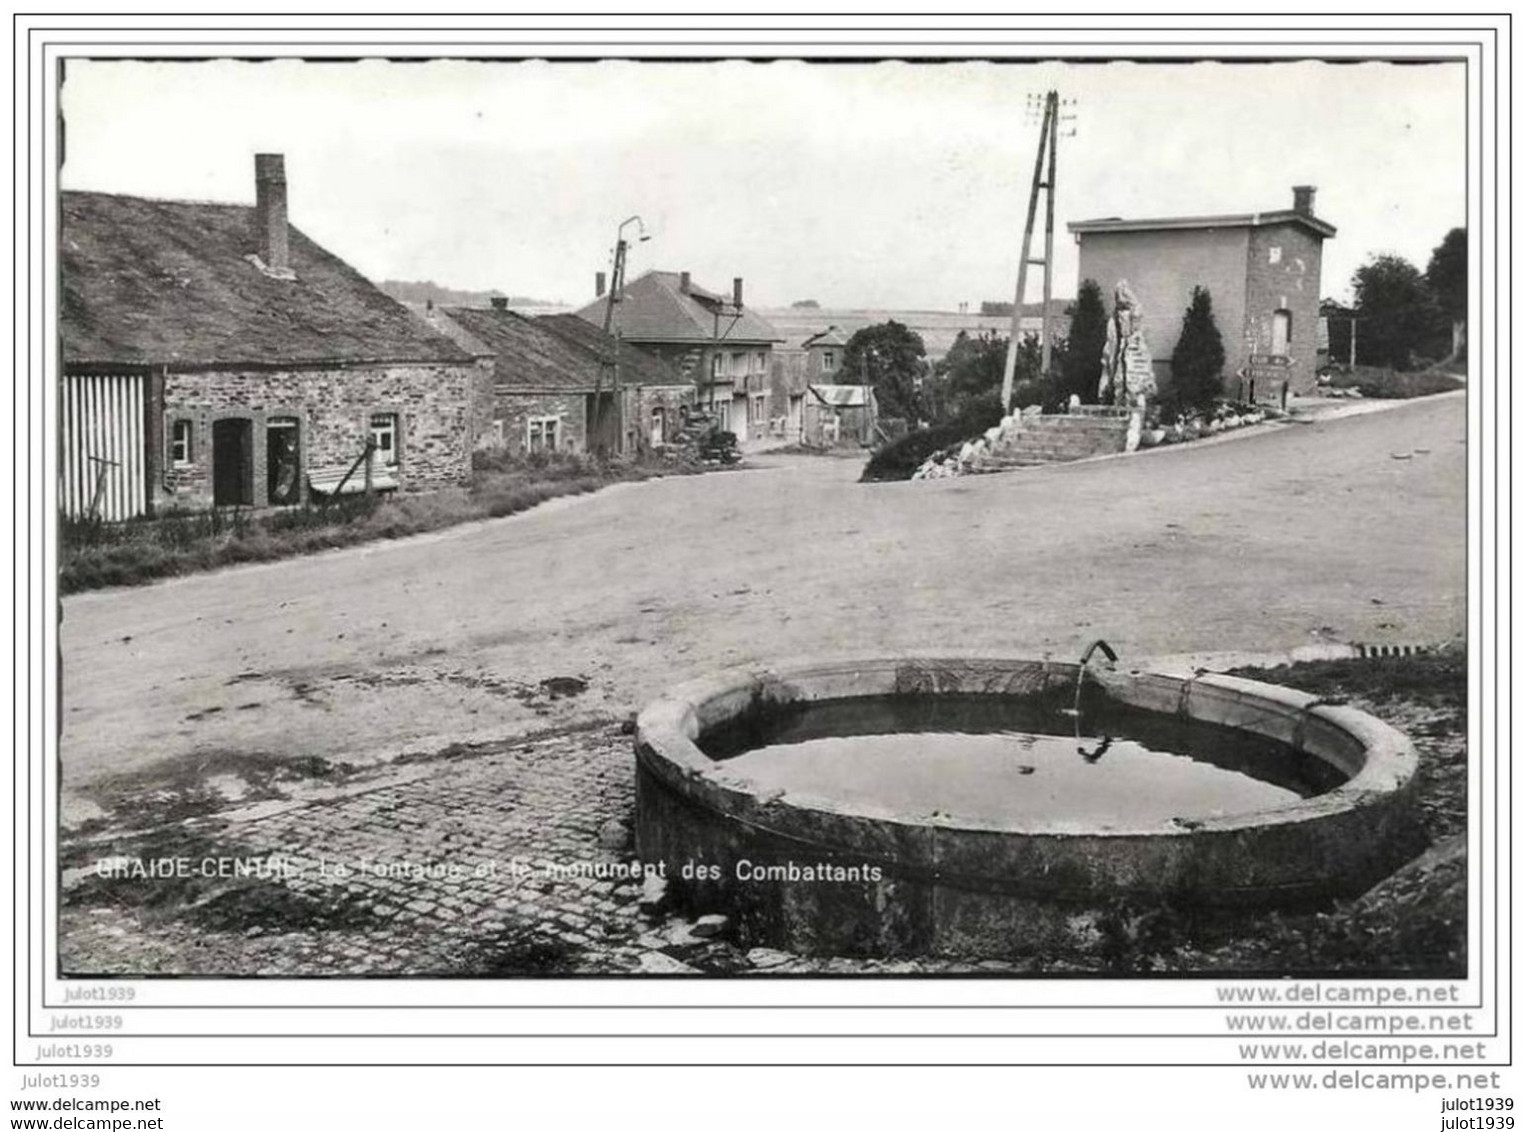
[[233, 462], [283, 460], [1281, 333]]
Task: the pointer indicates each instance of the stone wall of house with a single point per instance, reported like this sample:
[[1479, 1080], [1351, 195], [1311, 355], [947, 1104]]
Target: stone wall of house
[[434, 406], [484, 406], [1285, 262], [671, 400], [513, 412]]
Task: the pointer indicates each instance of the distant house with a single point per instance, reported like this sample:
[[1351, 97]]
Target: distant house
[[215, 356], [562, 385], [817, 359], [1262, 269], [718, 344], [839, 415], [823, 355]]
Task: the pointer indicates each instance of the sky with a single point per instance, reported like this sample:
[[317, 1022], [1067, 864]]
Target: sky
[[885, 186]]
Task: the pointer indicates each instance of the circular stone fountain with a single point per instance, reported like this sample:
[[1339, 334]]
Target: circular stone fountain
[[960, 806]]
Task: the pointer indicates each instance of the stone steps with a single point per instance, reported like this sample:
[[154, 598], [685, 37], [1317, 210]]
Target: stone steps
[[1061, 438]]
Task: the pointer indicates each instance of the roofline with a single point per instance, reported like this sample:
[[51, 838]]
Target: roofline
[[1235, 220], [97, 366], [705, 340]]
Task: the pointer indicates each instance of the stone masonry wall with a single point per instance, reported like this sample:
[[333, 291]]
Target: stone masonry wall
[[513, 412], [333, 408], [1285, 262]]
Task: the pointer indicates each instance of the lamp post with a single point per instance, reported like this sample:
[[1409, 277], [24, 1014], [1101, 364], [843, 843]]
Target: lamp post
[[616, 283]]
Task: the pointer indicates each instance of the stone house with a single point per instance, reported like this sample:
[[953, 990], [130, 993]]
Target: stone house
[[563, 385], [213, 355], [719, 346], [1262, 269]]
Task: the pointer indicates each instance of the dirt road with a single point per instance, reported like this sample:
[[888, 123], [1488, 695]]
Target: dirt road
[[1306, 533]]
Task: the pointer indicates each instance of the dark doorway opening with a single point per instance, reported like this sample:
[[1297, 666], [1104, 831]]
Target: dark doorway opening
[[233, 462], [283, 460]]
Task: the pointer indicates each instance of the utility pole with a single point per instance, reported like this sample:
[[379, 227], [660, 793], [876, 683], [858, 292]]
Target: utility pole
[[1048, 146], [616, 283]]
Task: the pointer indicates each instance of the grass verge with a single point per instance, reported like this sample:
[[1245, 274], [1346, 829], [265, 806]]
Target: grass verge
[[1394, 385], [96, 555]]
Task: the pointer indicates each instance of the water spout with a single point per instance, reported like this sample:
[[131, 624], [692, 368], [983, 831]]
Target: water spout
[[1074, 712], [1085, 659]]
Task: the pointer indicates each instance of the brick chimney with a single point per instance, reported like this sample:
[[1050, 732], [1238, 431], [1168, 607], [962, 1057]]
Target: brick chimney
[[598, 284], [736, 291], [683, 282], [270, 211], [1302, 199], [499, 302]]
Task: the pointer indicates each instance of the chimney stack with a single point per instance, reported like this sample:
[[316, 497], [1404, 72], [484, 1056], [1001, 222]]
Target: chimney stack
[[499, 302], [736, 291], [598, 284], [1302, 199], [683, 282], [270, 211]]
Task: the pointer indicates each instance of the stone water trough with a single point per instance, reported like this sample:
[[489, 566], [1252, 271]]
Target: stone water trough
[[988, 816]]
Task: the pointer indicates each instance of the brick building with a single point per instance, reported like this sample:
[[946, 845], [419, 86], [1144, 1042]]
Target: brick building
[[1261, 268], [215, 356], [722, 348], [561, 384]]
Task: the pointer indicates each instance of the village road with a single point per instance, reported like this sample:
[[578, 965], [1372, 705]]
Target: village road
[[1304, 533]]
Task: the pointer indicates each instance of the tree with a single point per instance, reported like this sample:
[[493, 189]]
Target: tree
[[1446, 278], [1196, 369], [1395, 309], [1081, 364], [887, 356]]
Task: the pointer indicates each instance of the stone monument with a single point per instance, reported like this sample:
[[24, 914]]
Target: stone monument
[[1127, 371]]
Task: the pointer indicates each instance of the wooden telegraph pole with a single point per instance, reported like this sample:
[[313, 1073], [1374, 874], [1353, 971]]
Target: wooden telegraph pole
[[1048, 147]]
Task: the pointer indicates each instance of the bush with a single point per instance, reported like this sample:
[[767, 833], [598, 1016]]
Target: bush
[[899, 459], [1196, 368], [1088, 338]]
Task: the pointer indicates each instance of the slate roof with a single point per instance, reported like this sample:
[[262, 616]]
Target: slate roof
[[831, 336], [160, 282], [655, 309], [637, 367], [529, 356], [1237, 220]]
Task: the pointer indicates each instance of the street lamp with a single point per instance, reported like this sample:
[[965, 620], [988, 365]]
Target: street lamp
[[618, 276], [616, 283]]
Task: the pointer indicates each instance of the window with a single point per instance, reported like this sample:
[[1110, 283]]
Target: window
[[1275, 253], [717, 365], [760, 362], [543, 434], [497, 432], [758, 409], [181, 454], [829, 360], [738, 364], [384, 437]]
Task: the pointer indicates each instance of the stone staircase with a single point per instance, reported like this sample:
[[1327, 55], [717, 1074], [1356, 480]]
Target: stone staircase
[[1056, 438]]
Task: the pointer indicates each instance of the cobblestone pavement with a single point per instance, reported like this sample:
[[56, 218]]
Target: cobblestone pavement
[[444, 868]]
